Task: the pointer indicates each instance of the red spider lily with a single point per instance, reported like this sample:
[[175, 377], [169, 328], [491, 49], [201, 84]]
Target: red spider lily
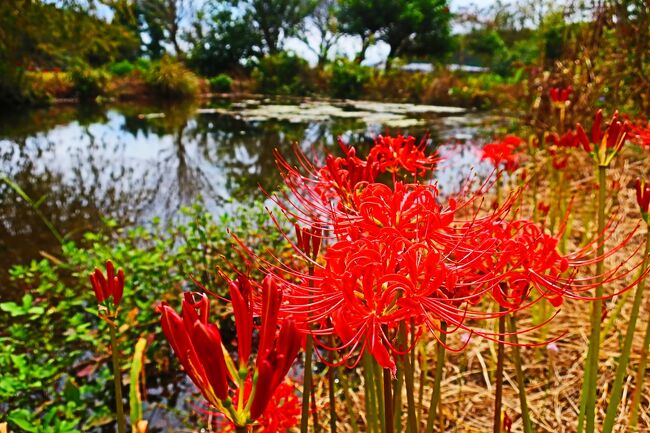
[[569, 139], [641, 133], [560, 95], [606, 143], [280, 416], [560, 145], [199, 348], [392, 154], [503, 152], [110, 286], [643, 197], [399, 255]]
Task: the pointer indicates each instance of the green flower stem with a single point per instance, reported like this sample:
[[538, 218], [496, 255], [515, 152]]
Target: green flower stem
[[397, 399], [412, 421], [437, 379], [640, 377], [379, 393], [117, 381], [424, 367], [308, 377], [621, 369], [307, 385], [241, 429], [397, 391], [370, 397], [590, 383], [498, 396], [516, 351], [332, 392]]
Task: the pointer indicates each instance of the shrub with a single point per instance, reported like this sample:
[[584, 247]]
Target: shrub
[[88, 83], [16, 86], [170, 79], [221, 83], [283, 73], [122, 69], [348, 78]]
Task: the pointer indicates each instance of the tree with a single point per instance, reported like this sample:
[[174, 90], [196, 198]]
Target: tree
[[276, 20], [323, 27], [223, 42], [162, 21], [362, 18], [415, 27], [420, 27]]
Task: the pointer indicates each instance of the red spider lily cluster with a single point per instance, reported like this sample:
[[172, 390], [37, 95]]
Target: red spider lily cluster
[[109, 286], [559, 95], [400, 255], [199, 347], [640, 133], [604, 144], [502, 154]]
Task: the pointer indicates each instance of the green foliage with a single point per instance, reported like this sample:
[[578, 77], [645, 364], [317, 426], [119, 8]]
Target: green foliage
[[170, 79], [122, 68], [88, 83], [221, 83], [348, 78], [276, 20], [228, 42], [553, 31], [419, 28], [55, 375], [283, 73]]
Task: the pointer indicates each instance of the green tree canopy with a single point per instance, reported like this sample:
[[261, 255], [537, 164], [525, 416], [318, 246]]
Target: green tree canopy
[[416, 27]]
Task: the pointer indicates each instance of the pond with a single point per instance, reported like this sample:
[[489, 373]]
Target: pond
[[133, 162]]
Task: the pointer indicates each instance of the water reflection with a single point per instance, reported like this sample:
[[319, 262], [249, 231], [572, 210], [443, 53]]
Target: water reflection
[[132, 162]]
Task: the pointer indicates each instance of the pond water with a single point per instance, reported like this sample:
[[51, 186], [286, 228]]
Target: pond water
[[132, 162]]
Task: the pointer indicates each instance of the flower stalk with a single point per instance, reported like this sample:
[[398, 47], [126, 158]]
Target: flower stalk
[[498, 395], [516, 352], [621, 369], [437, 379], [117, 381], [590, 384]]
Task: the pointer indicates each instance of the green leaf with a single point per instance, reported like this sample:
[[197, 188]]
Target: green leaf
[[22, 419]]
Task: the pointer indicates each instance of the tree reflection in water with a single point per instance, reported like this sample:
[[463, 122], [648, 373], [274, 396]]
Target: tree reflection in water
[[83, 164]]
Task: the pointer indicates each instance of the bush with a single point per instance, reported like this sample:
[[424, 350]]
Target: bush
[[88, 83], [170, 79], [283, 73], [121, 69], [16, 87], [348, 78], [221, 83]]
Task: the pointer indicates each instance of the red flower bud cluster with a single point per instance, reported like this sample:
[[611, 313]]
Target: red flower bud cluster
[[643, 198], [604, 144], [198, 346], [560, 94], [111, 286]]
